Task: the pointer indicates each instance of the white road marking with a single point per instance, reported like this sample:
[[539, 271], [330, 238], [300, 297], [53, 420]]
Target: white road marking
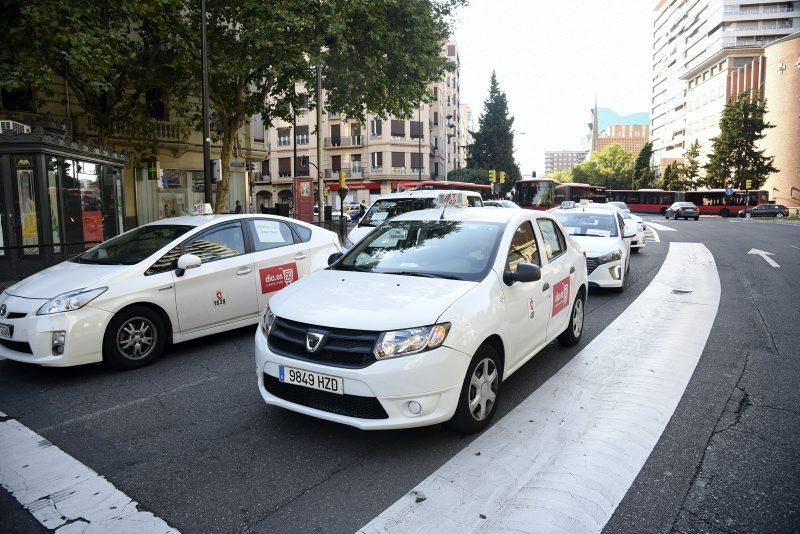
[[63, 494], [660, 227], [653, 235], [564, 458], [766, 255], [795, 246]]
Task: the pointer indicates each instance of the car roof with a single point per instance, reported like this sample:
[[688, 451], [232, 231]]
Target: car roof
[[474, 214], [426, 193], [202, 220], [587, 208]]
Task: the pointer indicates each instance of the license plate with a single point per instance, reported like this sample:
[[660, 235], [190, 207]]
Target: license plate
[[6, 331], [310, 379]]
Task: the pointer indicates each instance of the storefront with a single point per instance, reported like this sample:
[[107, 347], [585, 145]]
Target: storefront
[[58, 198]]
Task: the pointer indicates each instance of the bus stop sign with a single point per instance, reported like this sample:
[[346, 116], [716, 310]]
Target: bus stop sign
[[729, 191]]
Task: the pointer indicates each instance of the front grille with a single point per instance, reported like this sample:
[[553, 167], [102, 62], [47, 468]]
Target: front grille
[[341, 348], [18, 346], [591, 265], [347, 405]]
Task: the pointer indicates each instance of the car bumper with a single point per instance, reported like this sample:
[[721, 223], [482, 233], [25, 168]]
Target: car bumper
[[638, 241], [433, 379], [607, 275], [32, 339]]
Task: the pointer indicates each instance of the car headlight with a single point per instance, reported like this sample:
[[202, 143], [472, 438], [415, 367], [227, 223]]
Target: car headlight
[[611, 256], [267, 320], [71, 300], [410, 341]]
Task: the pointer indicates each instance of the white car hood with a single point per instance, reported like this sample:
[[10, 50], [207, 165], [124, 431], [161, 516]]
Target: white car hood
[[65, 276], [596, 246], [367, 301]]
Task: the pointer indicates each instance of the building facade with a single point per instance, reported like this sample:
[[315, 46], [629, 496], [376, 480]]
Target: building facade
[[632, 137], [562, 160], [695, 45]]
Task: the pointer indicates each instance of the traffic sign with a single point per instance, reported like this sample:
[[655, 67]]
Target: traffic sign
[[729, 191]]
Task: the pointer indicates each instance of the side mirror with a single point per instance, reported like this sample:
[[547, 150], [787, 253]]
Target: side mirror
[[188, 261], [333, 258], [526, 272]]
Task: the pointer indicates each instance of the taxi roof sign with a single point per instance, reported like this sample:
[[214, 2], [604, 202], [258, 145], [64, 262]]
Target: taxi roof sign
[[568, 205], [203, 209]]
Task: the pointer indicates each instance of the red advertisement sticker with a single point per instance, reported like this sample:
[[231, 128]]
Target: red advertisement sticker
[[278, 277], [560, 296]]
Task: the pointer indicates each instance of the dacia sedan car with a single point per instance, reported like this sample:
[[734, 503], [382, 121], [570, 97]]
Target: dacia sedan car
[[168, 281], [422, 320]]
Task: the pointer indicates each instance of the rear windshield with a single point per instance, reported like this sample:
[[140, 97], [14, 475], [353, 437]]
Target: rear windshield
[[686, 205], [588, 224]]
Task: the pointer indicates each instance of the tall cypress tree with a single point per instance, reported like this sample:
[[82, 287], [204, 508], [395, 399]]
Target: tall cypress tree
[[643, 175], [493, 146]]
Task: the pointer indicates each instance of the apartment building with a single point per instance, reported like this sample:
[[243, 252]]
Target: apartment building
[[632, 137], [562, 160], [375, 155], [465, 126], [695, 46]]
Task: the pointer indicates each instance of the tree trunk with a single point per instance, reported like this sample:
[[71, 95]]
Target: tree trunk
[[228, 134]]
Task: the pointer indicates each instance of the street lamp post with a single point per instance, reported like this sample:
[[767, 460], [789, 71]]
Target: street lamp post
[[419, 120], [204, 90], [320, 183]]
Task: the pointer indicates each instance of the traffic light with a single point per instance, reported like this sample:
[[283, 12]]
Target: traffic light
[[342, 179], [748, 184], [216, 170], [492, 176], [502, 177]]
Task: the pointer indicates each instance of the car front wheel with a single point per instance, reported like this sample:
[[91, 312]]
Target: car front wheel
[[135, 337], [479, 393], [572, 335]]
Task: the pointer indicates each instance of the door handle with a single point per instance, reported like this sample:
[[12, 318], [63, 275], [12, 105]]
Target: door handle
[[243, 271], [300, 256], [546, 286], [572, 270]]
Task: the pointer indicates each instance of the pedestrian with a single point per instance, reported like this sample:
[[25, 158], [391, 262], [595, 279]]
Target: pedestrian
[[238, 207], [362, 209], [262, 208]]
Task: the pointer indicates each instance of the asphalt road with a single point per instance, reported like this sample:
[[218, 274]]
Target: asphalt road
[[191, 440]]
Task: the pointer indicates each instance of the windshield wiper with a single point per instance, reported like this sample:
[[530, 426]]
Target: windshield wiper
[[426, 275], [343, 267], [589, 235]]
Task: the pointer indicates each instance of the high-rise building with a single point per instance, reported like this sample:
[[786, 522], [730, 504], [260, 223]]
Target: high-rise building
[[632, 137], [695, 45], [562, 160], [375, 155]]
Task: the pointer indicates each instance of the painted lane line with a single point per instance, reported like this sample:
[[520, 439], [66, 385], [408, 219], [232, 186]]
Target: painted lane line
[[653, 232], [660, 227], [563, 459], [62, 493], [766, 255]]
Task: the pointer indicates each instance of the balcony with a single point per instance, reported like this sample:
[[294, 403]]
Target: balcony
[[354, 172], [344, 141], [284, 141], [399, 170], [160, 130]]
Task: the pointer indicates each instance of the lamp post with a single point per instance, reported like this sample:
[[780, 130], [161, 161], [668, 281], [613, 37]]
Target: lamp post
[[419, 120], [320, 182], [204, 90]]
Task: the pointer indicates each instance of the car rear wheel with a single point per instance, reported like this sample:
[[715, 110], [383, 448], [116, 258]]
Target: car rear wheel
[[135, 337], [480, 392], [572, 335]]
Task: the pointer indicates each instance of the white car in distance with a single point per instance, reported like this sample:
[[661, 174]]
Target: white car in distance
[[421, 321], [601, 233], [631, 225], [164, 282]]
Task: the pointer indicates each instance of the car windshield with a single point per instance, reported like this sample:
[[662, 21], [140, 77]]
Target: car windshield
[[134, 246], [460, 250], [588, 224], [386, 209], [685, 205]]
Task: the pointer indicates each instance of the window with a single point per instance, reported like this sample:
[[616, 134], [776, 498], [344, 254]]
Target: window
[[167, 262], [17, 100], [398, 160], [284, 167], [435, 93], [53, 167], [301, 166], [258, 128], [136, 246], [435, 118], [416, 161], [301, 135], [268, 234], [523, 248], [283, 136], [416, 129], [398, 128], [377, 160], [218, 244], [376, 128], [336, 163], [554, 244], [355, 163], [156, 108], [303, 232]]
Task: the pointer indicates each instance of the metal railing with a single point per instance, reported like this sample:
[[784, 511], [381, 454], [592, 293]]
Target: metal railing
[[344, 141]]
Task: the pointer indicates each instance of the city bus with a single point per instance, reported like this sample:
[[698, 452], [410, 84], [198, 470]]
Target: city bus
[[484, 190], [710, 202], [543, 193]]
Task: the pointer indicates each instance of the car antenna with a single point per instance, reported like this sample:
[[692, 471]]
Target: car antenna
[[441, 217]]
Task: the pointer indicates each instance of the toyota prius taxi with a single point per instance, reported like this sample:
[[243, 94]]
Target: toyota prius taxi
[[421, 321], [164, 282]]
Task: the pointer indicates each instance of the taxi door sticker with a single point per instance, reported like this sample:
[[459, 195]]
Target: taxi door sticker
[[560, 296], [278, 277]]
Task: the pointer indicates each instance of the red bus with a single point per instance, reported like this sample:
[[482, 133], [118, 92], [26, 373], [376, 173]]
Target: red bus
[[485, 190], [542, 193], [710, 202]]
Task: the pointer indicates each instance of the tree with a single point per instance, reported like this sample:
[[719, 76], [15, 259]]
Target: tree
[[611, 167], [735, 157], [469, 175], [564, 176], [671, 179], [493, 145], [643, 175], [690, 173]]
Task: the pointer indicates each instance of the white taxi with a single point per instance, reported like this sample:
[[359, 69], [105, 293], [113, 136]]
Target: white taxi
[[602, 234], [167, 281], [638, 241], [422, 320]]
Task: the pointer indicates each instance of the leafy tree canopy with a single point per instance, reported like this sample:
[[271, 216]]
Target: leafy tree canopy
[[564, 176], [611, 167], [690, 172], [643, 174]]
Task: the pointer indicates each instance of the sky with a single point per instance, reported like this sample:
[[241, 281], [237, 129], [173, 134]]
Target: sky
[[552, 58]]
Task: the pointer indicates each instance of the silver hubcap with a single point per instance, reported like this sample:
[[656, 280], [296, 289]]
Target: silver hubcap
[[483, 389], [577, 318], [136, 338]]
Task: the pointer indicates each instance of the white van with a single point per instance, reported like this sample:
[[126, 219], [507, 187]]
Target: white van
[[394, 204]]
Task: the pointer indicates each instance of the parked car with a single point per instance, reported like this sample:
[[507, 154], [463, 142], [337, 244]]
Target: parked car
[[500, 204], [765, 210], [442, 305], [631, 225], [624, 207], [685, 210], [168, 281]]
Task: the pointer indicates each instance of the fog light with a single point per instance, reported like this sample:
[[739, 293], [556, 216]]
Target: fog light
[[59, 337], [616, 272], [414, 407]]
